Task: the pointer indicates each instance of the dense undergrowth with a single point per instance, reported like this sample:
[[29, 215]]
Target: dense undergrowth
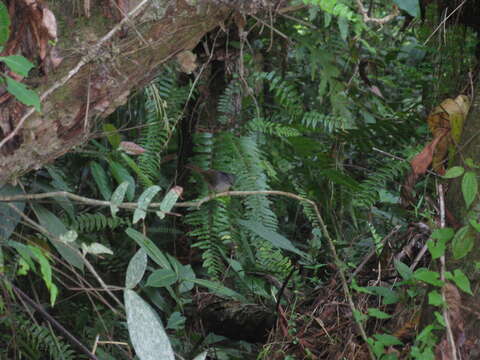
[[331, 110]]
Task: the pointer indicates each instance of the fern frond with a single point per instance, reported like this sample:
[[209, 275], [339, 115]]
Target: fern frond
[[390, 171], [96, 222], [272, 128], [41, 340]]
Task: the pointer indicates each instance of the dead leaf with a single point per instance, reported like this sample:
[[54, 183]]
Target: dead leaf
[[422, 161]]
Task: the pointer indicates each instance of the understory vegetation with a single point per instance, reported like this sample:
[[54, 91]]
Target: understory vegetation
[[317, 252]]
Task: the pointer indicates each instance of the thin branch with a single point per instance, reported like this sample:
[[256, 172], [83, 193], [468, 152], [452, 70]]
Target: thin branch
[[78, 198], [54, 238], [72, 339], [91, 54], [444, 21], [448, 326], [364, 12]]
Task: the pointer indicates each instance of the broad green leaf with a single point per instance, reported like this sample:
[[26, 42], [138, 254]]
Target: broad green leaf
[[17, 64], [151, 249], [22, 93], [454, 172], [219, 289], [412, 7], [462, 281], [46, 271], [428, 276], [405, 272], [121, 175], [389, 296], [101, 179], [112, 134], [147, 334], [463, 242], [169, 201], [359, 316], [439, 317], [387, 340], [176, 321], [186, 272], [374, 312], [443, 234], [117, 197], [162, 278], [274, 238], [436, 249], [435, 298], [143, 201], [9, 218], [475, 224], [56, 228], [4, 24], [96, 249], [469, 187], [136, 269]]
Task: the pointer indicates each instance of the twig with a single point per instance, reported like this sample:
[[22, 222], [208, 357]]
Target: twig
[[92, 53], [364, 12], [199, 203], [81, 199], [399, 158], [444, 21], [51, 236], [450, 338], [369, 256], [73, 340], [325, 232]]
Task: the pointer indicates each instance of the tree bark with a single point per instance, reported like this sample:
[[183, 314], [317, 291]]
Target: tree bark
[[106, 77], [465, 308]]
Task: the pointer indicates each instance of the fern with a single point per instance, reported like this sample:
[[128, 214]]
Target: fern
[[271, 128], [211, 223], [227, 106], [96, 222], [162, 107], [391, 170], [40, 342]]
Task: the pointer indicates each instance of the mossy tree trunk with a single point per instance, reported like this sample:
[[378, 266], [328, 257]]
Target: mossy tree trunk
[[469, 305], [129, 60]]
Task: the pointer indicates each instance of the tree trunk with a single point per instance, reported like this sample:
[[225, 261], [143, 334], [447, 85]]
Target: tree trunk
[[101, 73], [464, 308]]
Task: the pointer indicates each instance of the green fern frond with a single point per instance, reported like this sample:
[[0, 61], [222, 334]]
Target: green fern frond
[[96, 222], [40, 340], [227, 108], [272, 128], [390, 171]]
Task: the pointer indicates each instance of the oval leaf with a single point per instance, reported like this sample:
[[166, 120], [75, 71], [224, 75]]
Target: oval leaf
[[101, 179], [22, 93], [121, 175], [18, 64], [147, 334], [143, 201], [4, 24], [454, 172], [462, 242], [136, 268], [469, 187], [117, 197], [162, 278]]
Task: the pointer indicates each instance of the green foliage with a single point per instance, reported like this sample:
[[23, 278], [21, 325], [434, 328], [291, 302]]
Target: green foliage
[[87, 223], [307, 127], [36, 342]]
